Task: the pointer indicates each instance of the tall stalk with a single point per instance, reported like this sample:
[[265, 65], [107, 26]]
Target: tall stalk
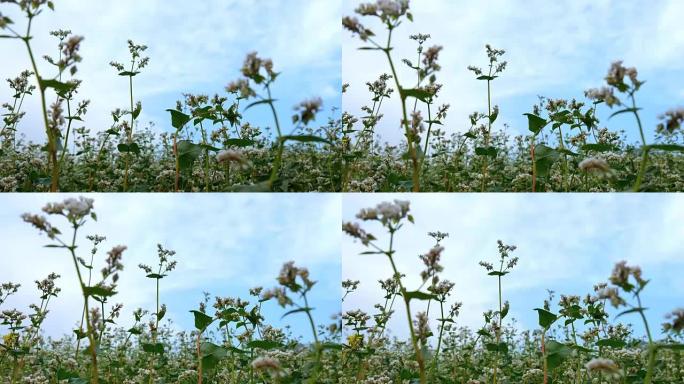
[[644, 147], [407, 130], [280, 140], [52, 140], [414, 342]]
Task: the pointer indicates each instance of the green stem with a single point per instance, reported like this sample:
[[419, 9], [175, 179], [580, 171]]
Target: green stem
[[485, 164], [652, 348], [414, 343], [435, 361], [130, 132], [281, 142], [51, 146], [66, 138], [91, 337], [644, 148], [411, 148]]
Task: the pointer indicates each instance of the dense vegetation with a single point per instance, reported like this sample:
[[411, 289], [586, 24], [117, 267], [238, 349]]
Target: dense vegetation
[[206, 146], [567, 147], [576, 341], [232, 341]]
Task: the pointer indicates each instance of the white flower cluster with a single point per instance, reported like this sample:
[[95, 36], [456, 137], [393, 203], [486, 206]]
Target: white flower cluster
[[386, 212]]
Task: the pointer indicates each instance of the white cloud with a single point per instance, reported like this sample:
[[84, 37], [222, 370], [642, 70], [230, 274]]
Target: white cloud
[[222, 243], [569, 241], [554, 49], [192, 46]]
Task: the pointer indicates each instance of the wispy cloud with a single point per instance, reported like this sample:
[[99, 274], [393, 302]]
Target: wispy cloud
[[225, 245], [554, 49], [565, 243], [194, 47]]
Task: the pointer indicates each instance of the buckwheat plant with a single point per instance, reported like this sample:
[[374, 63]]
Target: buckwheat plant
[[68, 58], [392, 216], [21, 88], [138, 62], [21, 339], [616, 82], [76, 211], [295, 280], [494, 70], [575, 152], [260, 72], [628, 280], [391, 14], [505, 266], [164, 266]]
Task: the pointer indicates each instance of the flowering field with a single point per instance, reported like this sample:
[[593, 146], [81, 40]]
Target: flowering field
[[233, 341], [576, 339], [566, 147], [206, 144]]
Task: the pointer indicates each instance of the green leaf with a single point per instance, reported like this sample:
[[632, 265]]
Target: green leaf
[[493, 347], [418, 295], [80, 334], [626, 110], [202, 320], [128, 73], [566, 151], [667, 147], [556, 353], [417, 93], [71, 377], [241, 143], [59, 87], [188, 152], [544, 158], [265, 101], [264, 344], [155, 276], [612, 343], [546, 318], [305, 139], [136, 111], [674, 347], [298, 310], [332, 346], [497, 273], [212, 354], [178, 119], [98, 291], [599, 148], [535, 123], [486, 151], [633, 310], [129, 148], [504, 311], [493, 116], [153, 348], [488, 78]]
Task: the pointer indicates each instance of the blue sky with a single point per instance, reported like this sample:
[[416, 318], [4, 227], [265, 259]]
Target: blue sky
[[555, 49], [565, 243], [225, 245], [193, 48]]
